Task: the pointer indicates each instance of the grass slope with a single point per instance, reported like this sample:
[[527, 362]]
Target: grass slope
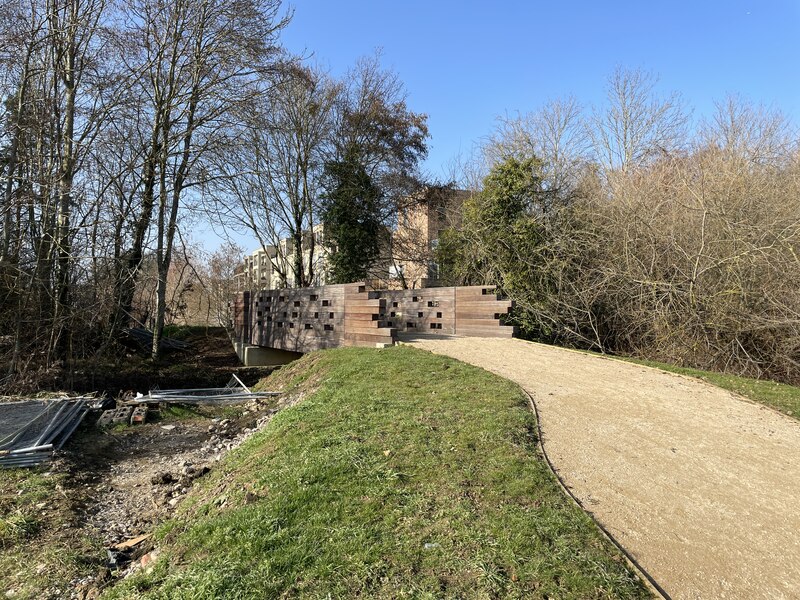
[[35, 559], [780, 396], [403, 475]]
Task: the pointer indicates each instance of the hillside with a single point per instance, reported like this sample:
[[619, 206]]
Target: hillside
[[398, 474]]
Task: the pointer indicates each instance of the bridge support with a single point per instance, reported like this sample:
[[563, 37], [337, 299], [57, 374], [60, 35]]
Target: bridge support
[[260, 356]]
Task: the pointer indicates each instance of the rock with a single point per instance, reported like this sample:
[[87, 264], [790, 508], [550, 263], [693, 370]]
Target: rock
[[148, 559], [162, 478]]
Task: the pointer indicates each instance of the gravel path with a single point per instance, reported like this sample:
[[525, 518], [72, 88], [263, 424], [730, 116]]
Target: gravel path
[[701, 486]]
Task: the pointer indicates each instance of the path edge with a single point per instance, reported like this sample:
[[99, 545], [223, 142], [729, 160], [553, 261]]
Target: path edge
[[650, 582]]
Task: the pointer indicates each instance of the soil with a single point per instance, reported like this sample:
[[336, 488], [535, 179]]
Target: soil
[[698, 484], [120, 483], [130, 480]]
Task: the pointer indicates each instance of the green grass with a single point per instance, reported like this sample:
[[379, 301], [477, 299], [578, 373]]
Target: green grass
[[401, 474], [179, 412], [22, 490], [34, 555], [780, 396]]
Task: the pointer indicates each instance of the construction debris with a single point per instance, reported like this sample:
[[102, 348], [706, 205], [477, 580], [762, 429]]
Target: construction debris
[[115, 416], [233, 393], [30, 431], [128, 544], [139, 415]]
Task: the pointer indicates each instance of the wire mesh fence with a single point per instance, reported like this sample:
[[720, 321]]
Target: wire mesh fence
[[30, 431]]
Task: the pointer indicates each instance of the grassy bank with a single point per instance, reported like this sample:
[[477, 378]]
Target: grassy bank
[[36, 559], [782, 397], [401, 475]]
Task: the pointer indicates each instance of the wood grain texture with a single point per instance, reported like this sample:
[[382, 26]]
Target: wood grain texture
[[308, 319]]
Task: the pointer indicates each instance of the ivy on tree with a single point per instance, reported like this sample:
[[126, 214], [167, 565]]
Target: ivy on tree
[[351, 214]]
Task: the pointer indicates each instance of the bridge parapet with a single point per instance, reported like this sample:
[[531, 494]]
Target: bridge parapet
[[307, 319]]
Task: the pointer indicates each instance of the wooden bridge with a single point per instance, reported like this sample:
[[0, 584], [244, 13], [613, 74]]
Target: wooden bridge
[[307, 319]]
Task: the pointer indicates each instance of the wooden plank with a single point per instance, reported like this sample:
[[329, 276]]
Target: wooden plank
[[488, 305], [372, 339], [504, 331], [480, 323]]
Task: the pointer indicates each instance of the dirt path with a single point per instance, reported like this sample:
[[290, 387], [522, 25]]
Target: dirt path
[[700, 486]]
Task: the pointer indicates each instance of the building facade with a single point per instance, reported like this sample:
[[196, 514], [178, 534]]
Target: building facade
[[407, 257], [419, 226], [271, 268]]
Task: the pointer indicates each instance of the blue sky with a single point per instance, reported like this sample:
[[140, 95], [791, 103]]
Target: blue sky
[[464, 63]]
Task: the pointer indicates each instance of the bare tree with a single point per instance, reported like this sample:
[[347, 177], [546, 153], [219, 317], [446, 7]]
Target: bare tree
[[556, 135], [274, 169], [199, 62], [636, 125], [753, 132]]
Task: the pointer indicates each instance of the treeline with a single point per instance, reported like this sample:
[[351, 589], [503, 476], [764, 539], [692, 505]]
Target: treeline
[[629, 229], [124, 124]]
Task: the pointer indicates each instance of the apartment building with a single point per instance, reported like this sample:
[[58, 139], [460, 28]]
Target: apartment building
[[271, 267], [419, 226], [407, 258]]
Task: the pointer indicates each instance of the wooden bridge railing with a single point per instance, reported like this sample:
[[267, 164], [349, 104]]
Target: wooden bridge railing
[[306, 319]]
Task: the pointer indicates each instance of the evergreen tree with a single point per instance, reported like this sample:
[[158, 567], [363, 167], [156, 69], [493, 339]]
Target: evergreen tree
[[351, 214]]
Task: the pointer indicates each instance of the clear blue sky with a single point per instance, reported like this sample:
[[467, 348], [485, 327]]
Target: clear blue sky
[[464, 63]]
